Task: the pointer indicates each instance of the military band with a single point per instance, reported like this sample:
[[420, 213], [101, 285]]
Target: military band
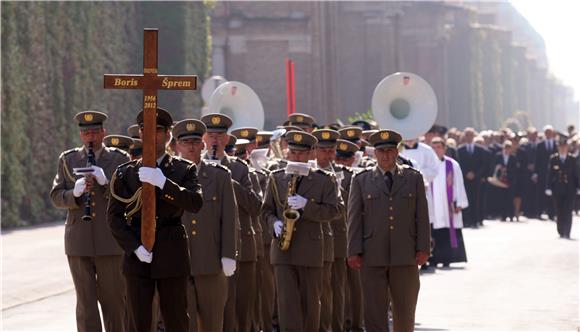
[[300, 229]]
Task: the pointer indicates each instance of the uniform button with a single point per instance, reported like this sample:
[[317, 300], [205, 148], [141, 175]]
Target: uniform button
[[93, 203], [92, 193], [391, 227], [214, 198], [390, 208], [193, 222], [193, 232], [390, 198], [369, 196], [249, 232], [94, 214], [391, 218]]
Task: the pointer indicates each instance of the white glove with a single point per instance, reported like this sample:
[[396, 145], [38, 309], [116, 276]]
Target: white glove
[[153, 176], [100, 175], [548, 192], [578, 191], [297, 202], [278, 225], [229, 266], [79, 188], [144, 255]]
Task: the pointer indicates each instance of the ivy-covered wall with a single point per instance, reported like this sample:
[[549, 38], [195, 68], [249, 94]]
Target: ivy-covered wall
[[54, 55]]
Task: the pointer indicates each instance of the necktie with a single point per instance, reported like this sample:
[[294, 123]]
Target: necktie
[[389, 180]]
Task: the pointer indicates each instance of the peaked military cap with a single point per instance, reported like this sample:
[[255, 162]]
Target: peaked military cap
[[365, 125], [385, 138], [241, 145], [352, 134], [367, 133], [118, 141], [133, 131], [90, 119], [248, 133], [136, 148], [216, 122], [301, 120], [326, 137], [188, 128], [300, 140], [163, 118], [263, 138], [231, 143], [345, 149]]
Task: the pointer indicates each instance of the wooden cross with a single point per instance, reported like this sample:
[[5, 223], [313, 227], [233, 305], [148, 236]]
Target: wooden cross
[[149, 82]]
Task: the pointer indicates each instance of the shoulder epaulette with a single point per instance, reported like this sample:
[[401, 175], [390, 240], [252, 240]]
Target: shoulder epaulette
[[127, 163], [70, 151], [240, 160], [185, 161], [261, 171], [411, 168], [219, 166], [364, 170], [324, 172], [123, 152]]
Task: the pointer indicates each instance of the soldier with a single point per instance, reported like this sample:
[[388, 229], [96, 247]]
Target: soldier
[[388, 235], [118, 141], [302, 121], [298, 270], [166, 268], [93, 255], [353, 312], [212, 232], [334, 270], [562, 183], [242, 285], [136, 149]]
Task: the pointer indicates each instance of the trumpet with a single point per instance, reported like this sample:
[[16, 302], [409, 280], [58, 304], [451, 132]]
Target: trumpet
[[290, 217], [87, 216]]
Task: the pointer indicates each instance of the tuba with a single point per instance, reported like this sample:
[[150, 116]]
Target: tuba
[[406, 103], [239, 102]]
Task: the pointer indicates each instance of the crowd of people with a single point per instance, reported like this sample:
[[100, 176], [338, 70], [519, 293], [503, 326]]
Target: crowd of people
[[306, 228]]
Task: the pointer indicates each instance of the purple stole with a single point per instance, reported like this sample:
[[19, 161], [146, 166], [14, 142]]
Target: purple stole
[[450, 200]]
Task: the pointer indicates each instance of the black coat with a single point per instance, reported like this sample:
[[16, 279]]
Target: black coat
[[542, 157], [180, 192], [562, 178], [473, 162], [511, 169]]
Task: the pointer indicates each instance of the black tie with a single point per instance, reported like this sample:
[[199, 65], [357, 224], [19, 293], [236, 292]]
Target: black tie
[[389, 180]]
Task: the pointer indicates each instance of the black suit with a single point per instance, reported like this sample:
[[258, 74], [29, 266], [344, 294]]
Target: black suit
[[562, 180], [543, 154], [529, 197], [169, 270], [472, 162]]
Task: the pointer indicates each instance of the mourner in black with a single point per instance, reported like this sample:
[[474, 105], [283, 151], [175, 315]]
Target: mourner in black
[[472, 160], [545, 149], [562, 184], [166, 267]]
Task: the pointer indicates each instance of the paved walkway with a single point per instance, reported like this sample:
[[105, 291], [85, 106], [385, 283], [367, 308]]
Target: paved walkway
[[520, 276]]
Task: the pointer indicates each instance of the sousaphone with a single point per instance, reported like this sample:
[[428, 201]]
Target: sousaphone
[[406, 103], [239, 102]]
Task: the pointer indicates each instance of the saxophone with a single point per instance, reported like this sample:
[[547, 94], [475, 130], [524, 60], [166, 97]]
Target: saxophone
[[290, 216]]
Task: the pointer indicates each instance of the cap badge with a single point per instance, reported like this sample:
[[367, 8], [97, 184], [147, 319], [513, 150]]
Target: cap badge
[[385, 135], [258, 139], [343, 147], [297, 138], [325, 135], [350, 133], [244, 133], [216, 120], [190, 126], [299, 118], [115, 141], [88, 117]]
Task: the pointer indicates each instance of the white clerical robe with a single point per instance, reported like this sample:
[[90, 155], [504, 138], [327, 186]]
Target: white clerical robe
[[440, 218]]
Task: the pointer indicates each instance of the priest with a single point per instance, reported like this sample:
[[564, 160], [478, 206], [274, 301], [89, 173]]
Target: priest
[[449, 198]]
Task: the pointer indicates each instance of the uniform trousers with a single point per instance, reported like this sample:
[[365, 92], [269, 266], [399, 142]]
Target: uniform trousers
[[326, 298], [267, 291], [354, 300], [401, 283], [245, 295], [99, 279], [172, 302], [206, 300], [564, 206], [298, 289], [230, 320], [338, 289]]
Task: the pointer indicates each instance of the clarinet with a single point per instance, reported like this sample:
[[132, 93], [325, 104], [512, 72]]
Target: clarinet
[[214, 152], [90, 162]]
